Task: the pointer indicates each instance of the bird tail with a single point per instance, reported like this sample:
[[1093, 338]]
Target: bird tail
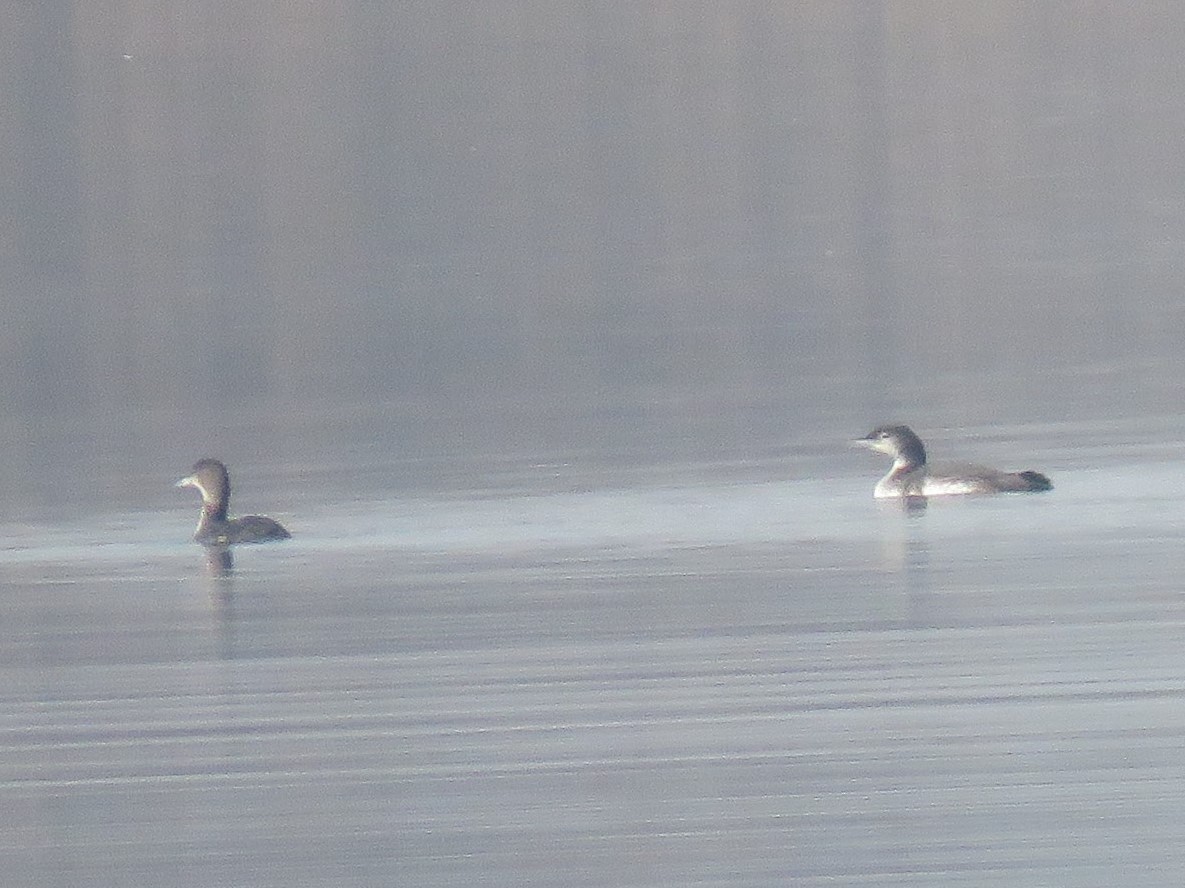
[[1033, 481]]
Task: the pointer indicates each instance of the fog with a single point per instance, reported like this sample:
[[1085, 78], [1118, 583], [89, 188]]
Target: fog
[[843, 209], [486, 299]]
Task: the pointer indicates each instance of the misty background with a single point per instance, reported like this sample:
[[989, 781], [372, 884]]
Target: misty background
[[543, 327], [308, 232]]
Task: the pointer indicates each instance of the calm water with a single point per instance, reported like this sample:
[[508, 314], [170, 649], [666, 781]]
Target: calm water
[[543, 327], [708, 674]]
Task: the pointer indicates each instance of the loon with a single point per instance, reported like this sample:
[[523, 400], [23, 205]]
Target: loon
[[911, 475], [212, 481]]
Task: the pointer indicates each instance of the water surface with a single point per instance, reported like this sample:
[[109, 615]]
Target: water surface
[[542, 327], [709, 675]]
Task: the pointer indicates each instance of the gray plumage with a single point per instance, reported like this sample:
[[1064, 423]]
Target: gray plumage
[[913, 475], [212, 481]]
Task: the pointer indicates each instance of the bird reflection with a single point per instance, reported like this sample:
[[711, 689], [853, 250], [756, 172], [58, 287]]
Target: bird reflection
[[219, 561], [914, 505], [906, 553], [220, 572]]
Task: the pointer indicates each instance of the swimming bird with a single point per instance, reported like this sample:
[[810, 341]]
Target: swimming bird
[[911, 475], [212, 481]]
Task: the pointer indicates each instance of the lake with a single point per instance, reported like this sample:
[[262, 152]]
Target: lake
[[657, 672], [544, 328]]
